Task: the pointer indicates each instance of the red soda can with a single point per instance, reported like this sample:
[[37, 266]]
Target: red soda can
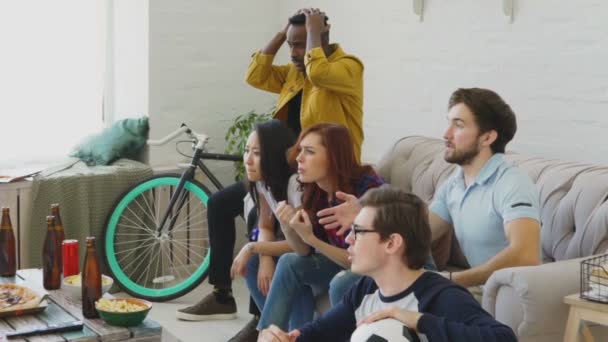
[[69, 249]]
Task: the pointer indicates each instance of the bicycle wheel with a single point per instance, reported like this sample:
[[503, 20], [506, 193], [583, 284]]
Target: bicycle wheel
[[155, 266]]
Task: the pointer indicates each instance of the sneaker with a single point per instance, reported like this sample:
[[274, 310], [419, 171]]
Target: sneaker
[[209, 308], [249, 333]]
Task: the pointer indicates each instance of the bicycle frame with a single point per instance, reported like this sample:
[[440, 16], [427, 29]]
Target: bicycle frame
[[188, 174]]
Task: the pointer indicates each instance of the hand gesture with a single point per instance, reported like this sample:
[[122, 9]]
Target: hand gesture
[[284, 31], [284, 213], [315, 21], [239, 265], [275, 334], [265, 273], [341, 216], [301, 225], [407, 317]]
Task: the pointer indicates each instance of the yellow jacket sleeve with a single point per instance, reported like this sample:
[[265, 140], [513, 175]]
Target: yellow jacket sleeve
[[343, 75], [262, 74]]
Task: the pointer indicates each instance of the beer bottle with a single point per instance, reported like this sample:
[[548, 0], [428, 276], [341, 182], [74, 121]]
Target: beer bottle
[[8, 264], [91, 281], [59, 228], [51, 268]]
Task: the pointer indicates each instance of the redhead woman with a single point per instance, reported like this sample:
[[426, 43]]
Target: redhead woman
[[326, 164]]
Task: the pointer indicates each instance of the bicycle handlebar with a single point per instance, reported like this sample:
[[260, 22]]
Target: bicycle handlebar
[[200, 139]]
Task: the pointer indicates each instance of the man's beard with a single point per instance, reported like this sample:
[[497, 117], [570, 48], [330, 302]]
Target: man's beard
[[463, 157], [299, 65]]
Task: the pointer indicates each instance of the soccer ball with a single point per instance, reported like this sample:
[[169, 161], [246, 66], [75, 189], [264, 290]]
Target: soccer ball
[[385, 330]]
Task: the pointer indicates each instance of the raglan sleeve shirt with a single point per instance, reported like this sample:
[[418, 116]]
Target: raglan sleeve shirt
[[455, 316], [339, 322]]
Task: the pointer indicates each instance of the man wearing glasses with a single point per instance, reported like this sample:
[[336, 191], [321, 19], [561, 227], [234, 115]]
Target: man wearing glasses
[[389, 244]]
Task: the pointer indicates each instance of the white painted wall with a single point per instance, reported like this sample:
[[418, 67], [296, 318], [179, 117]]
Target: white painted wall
[[549, 64], [199, 52], [185, 61], [128, 59]]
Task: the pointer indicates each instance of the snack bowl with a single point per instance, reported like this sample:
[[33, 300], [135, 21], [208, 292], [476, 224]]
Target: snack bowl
[[72, 285], [124, 312]]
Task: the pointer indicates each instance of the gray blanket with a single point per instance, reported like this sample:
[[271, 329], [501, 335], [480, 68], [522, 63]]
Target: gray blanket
[[85, 195]]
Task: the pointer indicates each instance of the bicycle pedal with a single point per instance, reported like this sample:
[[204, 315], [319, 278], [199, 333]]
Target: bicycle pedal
[[163, 279]]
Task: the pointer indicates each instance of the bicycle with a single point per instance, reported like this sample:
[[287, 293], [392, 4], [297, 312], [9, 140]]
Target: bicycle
[[156, 241]]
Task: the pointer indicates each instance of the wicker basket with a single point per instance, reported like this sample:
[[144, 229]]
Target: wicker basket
[[594, 279]]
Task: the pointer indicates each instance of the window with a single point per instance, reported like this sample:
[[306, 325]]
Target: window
[[51, 78]]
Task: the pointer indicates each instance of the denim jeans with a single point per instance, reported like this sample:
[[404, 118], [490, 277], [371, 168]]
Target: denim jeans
[[303, 305], [292, 286], [344, 280]]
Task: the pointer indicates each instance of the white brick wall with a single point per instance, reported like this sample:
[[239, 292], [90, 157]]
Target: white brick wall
[[199, 51], [129, 55], [549, 64]]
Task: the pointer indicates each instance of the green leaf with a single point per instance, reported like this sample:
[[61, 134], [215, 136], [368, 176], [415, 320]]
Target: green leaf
[[238, 132]]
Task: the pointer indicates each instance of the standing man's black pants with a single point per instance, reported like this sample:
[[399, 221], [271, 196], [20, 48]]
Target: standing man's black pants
[[222, 209]]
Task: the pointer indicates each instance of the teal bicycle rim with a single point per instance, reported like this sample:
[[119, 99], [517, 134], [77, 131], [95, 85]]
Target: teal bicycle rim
[[113, 263]]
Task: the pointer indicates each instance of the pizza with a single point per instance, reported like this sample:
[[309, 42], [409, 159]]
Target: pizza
[[16, 297]]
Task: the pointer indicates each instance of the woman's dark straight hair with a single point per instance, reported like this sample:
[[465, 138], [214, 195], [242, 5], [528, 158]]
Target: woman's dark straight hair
[[275, 138]]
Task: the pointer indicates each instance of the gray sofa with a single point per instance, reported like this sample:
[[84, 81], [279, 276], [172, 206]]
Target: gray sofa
[[574, 214]]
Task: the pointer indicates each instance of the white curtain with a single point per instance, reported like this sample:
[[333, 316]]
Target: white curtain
[[52, 64]]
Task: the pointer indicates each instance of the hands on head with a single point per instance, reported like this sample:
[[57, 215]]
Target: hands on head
[[315, 20]]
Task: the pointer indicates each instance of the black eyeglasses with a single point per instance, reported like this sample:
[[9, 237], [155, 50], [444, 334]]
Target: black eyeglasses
[[357, 229]]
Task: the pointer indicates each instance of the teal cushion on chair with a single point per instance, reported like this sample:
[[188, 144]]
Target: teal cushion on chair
[[123, 140]]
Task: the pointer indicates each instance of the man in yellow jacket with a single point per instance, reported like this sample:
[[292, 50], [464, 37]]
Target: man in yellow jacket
[[322, 84]]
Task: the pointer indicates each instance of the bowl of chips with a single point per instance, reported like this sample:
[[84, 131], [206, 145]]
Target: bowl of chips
[[124, 312], [72, 285]]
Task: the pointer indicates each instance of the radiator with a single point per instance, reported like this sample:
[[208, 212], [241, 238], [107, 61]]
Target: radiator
[[18, 197]]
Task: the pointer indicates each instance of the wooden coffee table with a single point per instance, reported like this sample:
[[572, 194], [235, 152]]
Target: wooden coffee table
[[64, 307]]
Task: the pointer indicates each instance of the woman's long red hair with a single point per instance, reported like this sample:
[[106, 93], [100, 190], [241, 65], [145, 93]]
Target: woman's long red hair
[[343, 169]]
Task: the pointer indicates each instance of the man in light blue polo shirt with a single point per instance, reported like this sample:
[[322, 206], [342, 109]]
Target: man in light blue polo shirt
[[491, 205], [500, 193]]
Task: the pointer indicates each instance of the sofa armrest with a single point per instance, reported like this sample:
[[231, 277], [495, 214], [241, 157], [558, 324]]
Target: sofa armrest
[[530, 299]]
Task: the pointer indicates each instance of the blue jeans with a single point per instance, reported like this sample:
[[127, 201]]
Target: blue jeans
[[303, 304], [340, 284], [343, 281], [292, 286]]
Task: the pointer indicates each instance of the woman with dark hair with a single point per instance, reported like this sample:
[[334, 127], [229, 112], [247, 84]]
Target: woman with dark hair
[[326, 163], [268, 174]]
